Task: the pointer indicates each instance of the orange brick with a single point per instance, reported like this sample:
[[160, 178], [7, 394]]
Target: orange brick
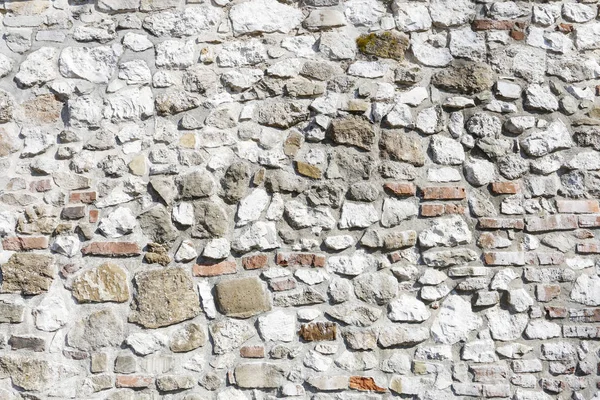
[[504, 258], [112, 249], [252, 351], [282, 284], [133, 381], [444, 193], [255, 261], [556, 312], [564, 28], [505, 187], [547, 292], [435, 210], [226, 267], [365, 384], [501, 223], [93, 216], [490, 24], [300, 260], [517, 34], [42, 185], [578, 206], [83, 197], [400, 189], [22, 243]]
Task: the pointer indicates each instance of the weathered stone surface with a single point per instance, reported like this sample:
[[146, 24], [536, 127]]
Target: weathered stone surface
[[27, 273], [385, 44], [99, 329], [187, 338], [454, 321], [258, 375], [465, 78], [399, 146], [242, 298], [156, 288], [95, 64], [229, 334], [108, 282], [353, 131]]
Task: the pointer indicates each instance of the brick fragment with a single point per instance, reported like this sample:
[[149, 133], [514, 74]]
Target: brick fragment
[[73, 212], [400, 189], [501, 223], [551, 223], [505, 187], [564, 28], [490, 24], [365, 384], [318, 331], [133, 381], [556, 312], [255, 261], [504, 258], [517, 34], [300, 260], [585, 315], [23, 243], [435, 210], [42, 185], [588, 248], [225, 267], [256, 351], [93, 217], [83, 197], [444, 193], [282, 284], [578, 206], [589, 221], [112, 249], [547, 292], [550, 258]]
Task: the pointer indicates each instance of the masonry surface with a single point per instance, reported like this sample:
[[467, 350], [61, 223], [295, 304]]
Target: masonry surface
[[321, 200]]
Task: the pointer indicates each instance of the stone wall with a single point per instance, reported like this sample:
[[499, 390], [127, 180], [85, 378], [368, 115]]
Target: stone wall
[[327, 199]]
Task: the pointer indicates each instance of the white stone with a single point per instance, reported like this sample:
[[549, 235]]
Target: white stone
[[449, 231], [541, 329], [455, 320], [183, 214], [446, 174], [505, 326], [555, 137], [357, 215], [446, 13], [94, 64], [239, 54], [6, 65], [508, 89], [432, 277], [519, 300], [137, 42], [265, 16], [399, 116], [231, 394], [428, 120], [38, 68], [207, 300], [308, 314], [118, 223], [428, 50], [364, 12], [446, 151], [395, 211], [316, 361], [301, 46], [574, 12], [414, 97], [175, 54], [8, 221], [585, 160], [339, 242], [302, 216], [311, 276], [51, 313], [407, 309], [37, 141], [186, 252], [66, 245], [338, 45], [217, 248], [411, 16], [464, 43], [367, 69], [277, 326], [252, 206], [129, 104], [479, 172], [144, 343], [259, 235], [351, 265], [538, 97], [135, 72], [242, 79], [432, 293], [482, 351], [586, 290]]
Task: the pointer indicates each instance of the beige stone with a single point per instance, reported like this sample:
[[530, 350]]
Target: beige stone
[[107, 282], [27, 273], [242, 298]]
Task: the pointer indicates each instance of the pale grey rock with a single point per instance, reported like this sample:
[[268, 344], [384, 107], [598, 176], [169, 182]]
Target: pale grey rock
[[263, 16], [363, 12], [175, 54], [355, 215], [411, 16], [586, 290], [555, 137], [587, 35], [505, 326], [482, 351], [402, 335], [540, 329], [51, 313], [301, 216], [539, 98], [396, 211], [375, 288], [430, 50], [479, 172], [454, 321], [449, 232], [217, 249], [259, 235], [144, 343], [277, 326], [37, 141], [242, 53], [94, 64], [445, 13], [407, 309], [38, 68], [229, 334], [446, 151], [464, 43], [99, 329], [355, 313]]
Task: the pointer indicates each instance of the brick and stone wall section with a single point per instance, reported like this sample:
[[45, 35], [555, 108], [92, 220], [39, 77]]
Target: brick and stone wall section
[[314, 199]]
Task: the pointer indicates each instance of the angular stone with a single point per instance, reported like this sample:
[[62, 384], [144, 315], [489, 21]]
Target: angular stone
[[156, 288], [108, 282], [375, 288], [11, 312], [258, 375], [277, 326], [229, 334], [454, 321], [38, 68], [398, 146], [447, 13], [94, 64], [464, 77], [259, 235], [353, 131], [555, 137], [449, 232], [505, 326], [242, 298], [318, 331], [52, 313], [407, 309], [99, 329], [172, 383], [385, 44], [27, 372], [356, 314], [264, 16], [156, 225], [187, 338], [27, 273], [402, 335], [586, 290]]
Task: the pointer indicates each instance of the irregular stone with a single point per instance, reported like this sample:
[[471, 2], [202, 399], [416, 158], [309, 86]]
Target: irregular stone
[[355, 314], [187, 338], [229, 334], [449, 232], [277, 326], [385, 44], [27, 273], [99, 329], [505, 326], [108, 282], [402, 335], [398, 146], [301, 216], [175, 54], [555, 137], [464, 78], [155, 288], [454, 321], [38, 68], [446, 151], [446, 13], [94, 64], [586, 290], [357, 215], [407, 309], [258, 375], [395, 211], [242, 298], [377, 288], [353, 131], [265, 16], [156, 225]]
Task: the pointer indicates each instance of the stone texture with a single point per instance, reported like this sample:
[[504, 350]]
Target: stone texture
[[27, 273], [242, 298], [108, 282]]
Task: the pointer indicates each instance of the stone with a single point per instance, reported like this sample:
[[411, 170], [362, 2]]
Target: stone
[[108, 282], [351, 265], [407, 309], [258, 235], [555, 137], [539, 98], [449, 232], [143, 343], [445, 13], [27, 273], [355, 314], [120, 222], [454, 321], [229, 334], [264, 16], [51, 313], [395, 211], [402, 335], [171, 286], [464, 78], [479, 172], [446, 151], [94, 64], [242, 53], [318, 331], [28, 373], [242, 298], [324, 19], [258, 375], [251, 207], [156, 225], [173, 383], [586, 290], [505, 326], [38, 68], [277, 326], [353, 131], [357, 215], [187, 338], [385, 44], [376, 288], [411, 17], [175, 54], [398, 146], [99, 329]]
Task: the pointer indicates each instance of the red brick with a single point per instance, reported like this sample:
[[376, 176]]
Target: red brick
[[255, 261], [252, 351], [547, 292], [490, 24], [517, 34], [504, 258], [279, 285], [444, 193], [22, 243], [505, 187], [551, 223], [43, 185], [400, 189], [564, 28], [83, 197], [588, 248], [93, 218], [74, 212], [226, 267], [435, 210], [578, 206], [365, 384], [589, 221], [112, 249], [133, 381], [556, 312], [501, 223], [300, 260], [550, 258]]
